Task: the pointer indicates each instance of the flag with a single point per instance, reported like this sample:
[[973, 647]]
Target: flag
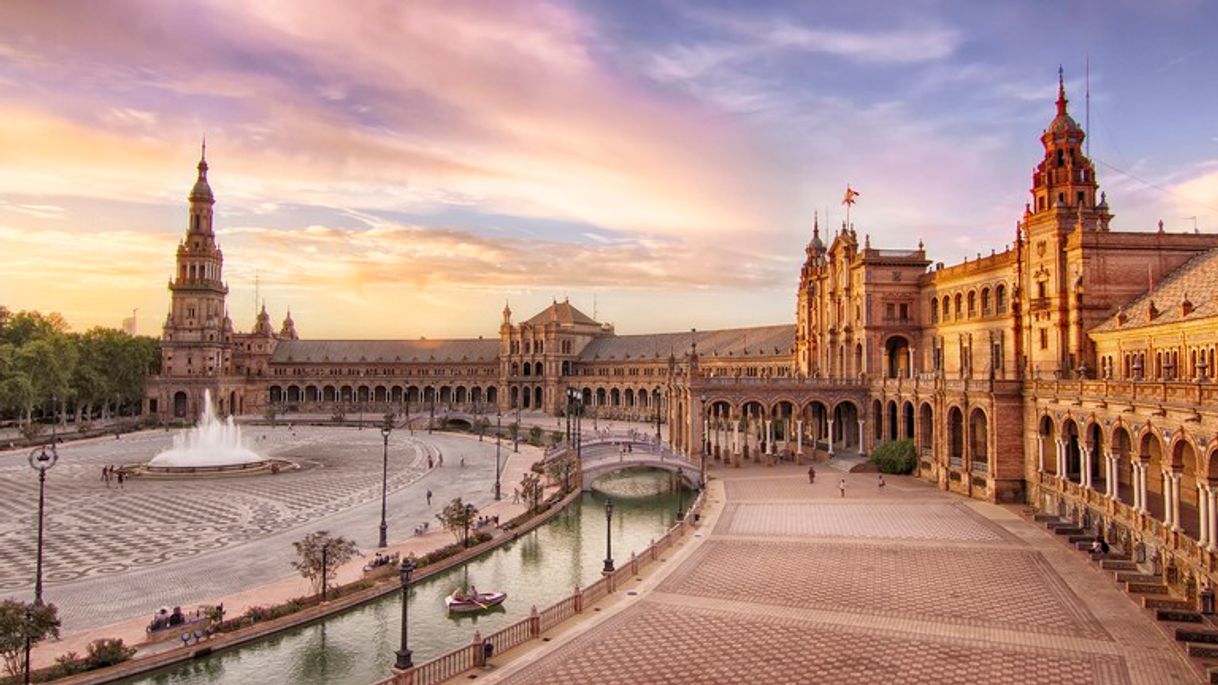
[[851, 193]]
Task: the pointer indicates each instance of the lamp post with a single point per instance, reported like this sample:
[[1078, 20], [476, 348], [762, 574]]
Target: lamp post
[[498, 428], [656, 402], [432, 418], [703, 446], [516, 434], [42, 460], [403, 654], [385, 431], [608, 536], [29, 627]]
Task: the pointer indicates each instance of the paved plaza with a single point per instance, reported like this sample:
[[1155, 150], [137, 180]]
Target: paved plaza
[[794, 584], [112, 554]]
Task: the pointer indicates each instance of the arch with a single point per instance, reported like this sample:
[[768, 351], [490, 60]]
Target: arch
[[890, 421], [628, 397], [955, 437], [476, 396], [846, 428], [959, 305], [1074, 457], [1184, 461], [293, 393], [514, 395], [362, 393], [537, 397], [446, 394], [926, 432], [528, 369], [412, 394], [348, 394], [587, 395], [329, 393], [1048, 444], [566, 365], [1093, 438], [1150, 450], [461, 396], [986, 308], [379, 394], [641, 398], [1122, 449], [232, 402], [395, 394], [972, 303], [492, 395], [615, 398], [181, 405], [877, 418], [310, 394], [907, 420], [934, 310], [752, 429], [515, 369], [601, 396], [896, 355], [1000, 299], [947, 307], [979, 440], [275, 394], [538, 369]]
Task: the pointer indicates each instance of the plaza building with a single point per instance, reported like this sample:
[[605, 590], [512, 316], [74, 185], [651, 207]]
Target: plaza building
[[1072, 370]]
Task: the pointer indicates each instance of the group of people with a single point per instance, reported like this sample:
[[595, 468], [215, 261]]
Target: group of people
[[164, 619], [492, 520], [379, 560], [841, 484], [109, 473]]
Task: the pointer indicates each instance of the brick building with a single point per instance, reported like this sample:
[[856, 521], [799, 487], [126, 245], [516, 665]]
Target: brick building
[[1073, 369]]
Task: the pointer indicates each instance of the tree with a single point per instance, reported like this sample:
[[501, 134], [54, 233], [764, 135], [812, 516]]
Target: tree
[[458, 517], [42, 622], [535, 434], [513, 430], [561, 469], [319, 556], [531, 490]]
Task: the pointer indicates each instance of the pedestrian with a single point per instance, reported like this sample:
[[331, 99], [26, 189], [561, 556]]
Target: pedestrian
[[841, 485], [462, 461], [106, 474], [440, 460], [429, 461], [120, 480], [515, 495], [880, 484], [429, 498], [811, 474]]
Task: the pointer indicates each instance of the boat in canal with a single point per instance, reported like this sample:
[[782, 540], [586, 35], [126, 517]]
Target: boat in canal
[[461, 603]]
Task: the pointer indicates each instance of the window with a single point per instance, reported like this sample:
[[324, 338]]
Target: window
[[985, 301], [1000, 299], [934, 311], [972, 304], [1042, 289], [959, 306], [904, 311], [1044, 339], [890, 311]]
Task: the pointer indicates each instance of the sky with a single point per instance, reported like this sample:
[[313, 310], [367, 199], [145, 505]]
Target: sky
[[397, 169]]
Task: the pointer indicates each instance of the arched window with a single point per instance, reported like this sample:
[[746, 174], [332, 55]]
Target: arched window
[[947, 307], [972, 303], [934, 310], [959, 306], [985, 302], [1000, 299]]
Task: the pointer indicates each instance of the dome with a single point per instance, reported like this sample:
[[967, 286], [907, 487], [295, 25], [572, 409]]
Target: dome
[[1064, 123], [201, 190]]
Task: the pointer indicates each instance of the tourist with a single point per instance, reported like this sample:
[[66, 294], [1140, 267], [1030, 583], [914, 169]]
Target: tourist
[[811, 474], [430, 463], [462, 461], [429, 498], [880, 483], [515, 495], [106, 475], [841, 485], [176, 618], [120, 479]]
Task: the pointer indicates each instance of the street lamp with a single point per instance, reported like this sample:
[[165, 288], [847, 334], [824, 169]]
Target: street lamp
[[705, 439], [656, 402], [432, 419], [385, 431], [608, 536], [498, 428], [404, 661], [516, 434], [42, 460]]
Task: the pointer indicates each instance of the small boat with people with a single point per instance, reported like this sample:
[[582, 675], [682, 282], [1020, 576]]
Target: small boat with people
[[462, 602]]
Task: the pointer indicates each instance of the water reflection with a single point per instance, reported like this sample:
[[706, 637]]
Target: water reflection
[[543, 566]]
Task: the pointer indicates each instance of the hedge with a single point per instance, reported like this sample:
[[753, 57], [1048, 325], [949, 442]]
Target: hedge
[[896, 456]]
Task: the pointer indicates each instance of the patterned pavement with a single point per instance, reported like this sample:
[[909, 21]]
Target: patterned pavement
[[112, 553], [904, 585]]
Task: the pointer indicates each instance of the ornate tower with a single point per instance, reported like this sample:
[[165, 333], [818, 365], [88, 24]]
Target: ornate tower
[[806, 310], [198, 332], [1063, 202]]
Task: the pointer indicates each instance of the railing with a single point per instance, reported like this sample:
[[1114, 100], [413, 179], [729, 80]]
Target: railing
[[453, 663]]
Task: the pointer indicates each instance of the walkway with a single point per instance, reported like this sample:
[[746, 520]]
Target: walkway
[[794, 584], [228, 540]]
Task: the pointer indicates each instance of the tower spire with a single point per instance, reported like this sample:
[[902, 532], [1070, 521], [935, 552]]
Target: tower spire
[[1061, 90]]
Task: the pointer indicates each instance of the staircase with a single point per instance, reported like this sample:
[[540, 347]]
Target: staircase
[[1196, 633]]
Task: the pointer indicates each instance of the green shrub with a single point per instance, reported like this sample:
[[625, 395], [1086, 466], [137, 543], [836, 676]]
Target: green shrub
[[108, 651], [896, 456]]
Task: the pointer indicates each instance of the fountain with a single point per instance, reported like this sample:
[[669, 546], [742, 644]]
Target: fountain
[[212, 445]]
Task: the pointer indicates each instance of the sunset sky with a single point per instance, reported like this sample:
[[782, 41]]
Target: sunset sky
[[400, 169]]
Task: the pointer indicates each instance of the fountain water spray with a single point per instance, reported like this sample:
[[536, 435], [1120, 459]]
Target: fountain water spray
[[213, 442]]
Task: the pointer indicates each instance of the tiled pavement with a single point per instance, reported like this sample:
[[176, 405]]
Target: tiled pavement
[[907, 585]]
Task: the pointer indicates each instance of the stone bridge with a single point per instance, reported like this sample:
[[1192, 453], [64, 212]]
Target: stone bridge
[[605, 453]]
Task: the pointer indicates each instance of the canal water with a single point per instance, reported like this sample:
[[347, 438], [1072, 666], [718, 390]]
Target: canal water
[[541, 567]]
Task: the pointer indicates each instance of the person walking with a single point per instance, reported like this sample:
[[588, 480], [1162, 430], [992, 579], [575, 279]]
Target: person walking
[[880, 483], [841, 485], [429, 498], [811, 474], [120, 479]]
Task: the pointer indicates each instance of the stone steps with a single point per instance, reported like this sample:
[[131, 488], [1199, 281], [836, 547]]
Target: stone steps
[[1199, 635], [1137, 588], [1177, 616], [1211, 673], [1202, 651], [1167, 603], [1136, 577], [1111, 564]]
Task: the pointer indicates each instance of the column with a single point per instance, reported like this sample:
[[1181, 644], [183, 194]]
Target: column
[[1167, 497], [1175, 500], [1212, 514], [735, 438], [1086, 479], [911, 360], [862, 452], [1135, 470], [799, 439], [831, 450], [1143, 467], [769, 436], [1059, 458], [1203, 515], [1040, 453], [1110, 475]]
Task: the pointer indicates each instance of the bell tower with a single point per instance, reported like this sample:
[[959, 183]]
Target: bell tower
[[197, 330]]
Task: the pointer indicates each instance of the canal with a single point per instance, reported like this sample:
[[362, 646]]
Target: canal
[[357, 647]]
